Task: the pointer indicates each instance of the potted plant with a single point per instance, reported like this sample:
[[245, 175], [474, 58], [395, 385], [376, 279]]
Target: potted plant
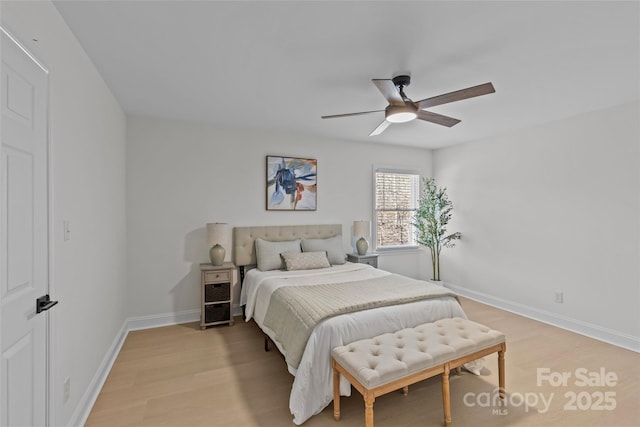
[[431, 219]]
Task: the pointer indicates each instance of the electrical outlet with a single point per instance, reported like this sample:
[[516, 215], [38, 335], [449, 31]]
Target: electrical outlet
[[67, 389], [559, 297]]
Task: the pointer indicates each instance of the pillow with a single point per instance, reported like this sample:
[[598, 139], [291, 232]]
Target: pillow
[[305, 260], [332, 246], [268, 253]]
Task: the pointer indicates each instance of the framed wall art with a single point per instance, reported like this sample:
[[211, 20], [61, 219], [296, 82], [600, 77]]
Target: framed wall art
[[291, 184]]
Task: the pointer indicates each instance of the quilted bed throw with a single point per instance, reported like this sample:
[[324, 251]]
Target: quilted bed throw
[[294, 311]]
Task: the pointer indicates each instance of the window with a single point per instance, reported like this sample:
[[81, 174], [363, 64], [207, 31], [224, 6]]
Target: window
[[396, 201]]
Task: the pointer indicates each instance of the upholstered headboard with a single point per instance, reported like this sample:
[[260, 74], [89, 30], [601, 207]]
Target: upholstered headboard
[[244, 248]]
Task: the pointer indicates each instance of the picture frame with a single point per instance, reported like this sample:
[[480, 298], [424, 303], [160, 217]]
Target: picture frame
[[291, 184]]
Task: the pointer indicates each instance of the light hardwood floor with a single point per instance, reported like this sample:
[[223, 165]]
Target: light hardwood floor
[[182, 376]]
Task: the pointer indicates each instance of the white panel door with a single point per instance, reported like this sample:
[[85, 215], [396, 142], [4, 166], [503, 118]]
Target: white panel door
[[24, 248]]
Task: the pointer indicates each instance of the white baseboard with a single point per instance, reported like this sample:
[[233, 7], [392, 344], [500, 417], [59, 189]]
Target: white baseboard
[[88, 399], [159, 320], [590, 330], [167, 319]]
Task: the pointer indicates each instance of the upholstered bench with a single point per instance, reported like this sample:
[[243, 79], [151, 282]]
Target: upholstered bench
[[393, 361]]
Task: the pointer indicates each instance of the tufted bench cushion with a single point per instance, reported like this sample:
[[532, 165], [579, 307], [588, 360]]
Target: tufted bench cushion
[[391, 361]]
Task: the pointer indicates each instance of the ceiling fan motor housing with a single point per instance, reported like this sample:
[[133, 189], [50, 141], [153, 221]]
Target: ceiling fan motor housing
[[401, 81]]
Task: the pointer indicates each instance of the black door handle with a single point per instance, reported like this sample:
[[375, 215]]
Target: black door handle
[[44, 303]]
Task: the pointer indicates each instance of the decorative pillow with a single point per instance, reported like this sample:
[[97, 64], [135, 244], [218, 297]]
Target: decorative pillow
[[305, 260], [268, 253], [332, 246]]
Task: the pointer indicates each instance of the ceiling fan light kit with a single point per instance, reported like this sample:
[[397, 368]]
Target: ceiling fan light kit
[[400, 113], [401, 109]]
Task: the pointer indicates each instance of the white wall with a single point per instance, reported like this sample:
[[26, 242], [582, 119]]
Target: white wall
[[88, 130], [182, 175], [552, 208]]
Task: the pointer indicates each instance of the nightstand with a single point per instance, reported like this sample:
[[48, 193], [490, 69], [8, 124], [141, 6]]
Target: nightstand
[[370, 258], [216, 294]]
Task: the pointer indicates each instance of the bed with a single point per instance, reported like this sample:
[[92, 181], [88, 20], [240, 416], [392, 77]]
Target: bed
[[308, 357]]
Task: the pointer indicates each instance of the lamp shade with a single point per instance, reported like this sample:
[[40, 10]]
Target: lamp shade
[[361, 228], [220, 233]]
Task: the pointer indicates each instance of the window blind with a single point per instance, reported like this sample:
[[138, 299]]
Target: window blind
[[396, 200]]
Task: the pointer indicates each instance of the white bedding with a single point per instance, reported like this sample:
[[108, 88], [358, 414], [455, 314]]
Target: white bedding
[[312, 387]]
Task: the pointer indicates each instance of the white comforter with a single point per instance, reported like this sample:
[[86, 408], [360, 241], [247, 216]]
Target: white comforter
[[312, 387]]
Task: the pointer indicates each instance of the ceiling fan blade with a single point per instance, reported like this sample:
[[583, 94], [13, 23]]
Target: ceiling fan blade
[[350, 114], [458, 95], [389, 91], [381, 127], [436, 118]]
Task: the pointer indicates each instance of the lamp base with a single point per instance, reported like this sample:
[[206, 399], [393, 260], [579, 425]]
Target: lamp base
[[362, 246], [217, 253]]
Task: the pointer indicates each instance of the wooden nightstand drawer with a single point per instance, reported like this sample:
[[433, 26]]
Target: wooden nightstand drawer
[[217, 292], [217, 276]]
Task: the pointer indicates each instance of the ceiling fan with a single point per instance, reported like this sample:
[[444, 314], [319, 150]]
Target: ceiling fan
[[401, 109]]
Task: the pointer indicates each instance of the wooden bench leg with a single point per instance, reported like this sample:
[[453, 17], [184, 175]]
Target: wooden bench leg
[[501, 370], [369, 398], [446, 399], [405, 390], [336, 393]]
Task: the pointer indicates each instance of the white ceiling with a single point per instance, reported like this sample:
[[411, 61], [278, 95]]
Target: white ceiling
[[279, 66]]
